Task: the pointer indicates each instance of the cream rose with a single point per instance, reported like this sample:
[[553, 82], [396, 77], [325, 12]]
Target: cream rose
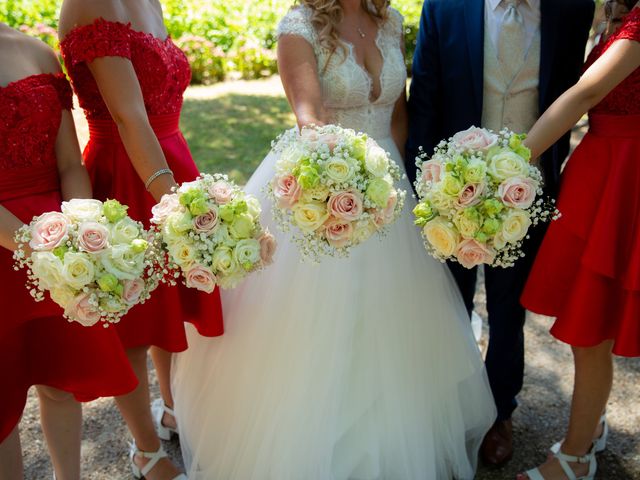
[[183, 252], [201, 278], [506, 164], [49, 232], [77, 270], [83, 209], [48, 269], [62, 295], [310, 216], [441, 236], [377, 161], [475, 139], [223, 260], [93, 237], [363, 230], [515, 226], [168, 204], [471, 253], [340, 170]]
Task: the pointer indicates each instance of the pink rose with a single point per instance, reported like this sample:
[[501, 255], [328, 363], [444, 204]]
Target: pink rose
[[470, 194], [475, 139], [267, 247], [471, 253], [132, 290], [221, 192], [287, 191], [518, 192], [431, 171], [168, 204], [206, 223], [345, 205], [93, 237], [338, 232], [82, 311], [201, 278], [49, 231], [385, 216]]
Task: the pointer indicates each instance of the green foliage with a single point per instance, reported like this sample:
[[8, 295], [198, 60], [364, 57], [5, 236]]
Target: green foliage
[[219, 36]]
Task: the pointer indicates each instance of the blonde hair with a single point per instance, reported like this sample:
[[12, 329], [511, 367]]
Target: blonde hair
[[327, 14]]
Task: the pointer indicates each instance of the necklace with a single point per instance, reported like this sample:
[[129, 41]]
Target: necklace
[[361, 33]]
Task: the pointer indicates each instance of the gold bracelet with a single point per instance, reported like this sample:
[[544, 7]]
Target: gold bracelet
[[162, 171]]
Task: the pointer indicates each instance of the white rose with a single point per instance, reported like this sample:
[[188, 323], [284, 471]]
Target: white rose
[[515, 225], [507, 164], [253, 207], [176, 225], [247, 253], [289, 158], [340, 170], [62, 295], [83, 209], [310, 216], [77, 270], [124, 232], [363, 231], [48, 269], [183, 252], [376, 162], [123, 262], [223, 261], [186, 186]]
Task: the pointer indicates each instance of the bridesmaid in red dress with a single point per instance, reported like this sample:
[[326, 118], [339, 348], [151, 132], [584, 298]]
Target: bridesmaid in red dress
[[41, 165], [130, 78], [587, 273]]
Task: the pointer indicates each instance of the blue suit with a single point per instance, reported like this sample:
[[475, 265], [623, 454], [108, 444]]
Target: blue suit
[[446, 97]]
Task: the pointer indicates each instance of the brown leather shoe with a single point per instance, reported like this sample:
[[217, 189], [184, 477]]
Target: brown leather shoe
[[497, 446]]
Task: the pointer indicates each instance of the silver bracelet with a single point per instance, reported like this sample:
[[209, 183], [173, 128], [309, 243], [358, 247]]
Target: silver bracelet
[[162, 171]]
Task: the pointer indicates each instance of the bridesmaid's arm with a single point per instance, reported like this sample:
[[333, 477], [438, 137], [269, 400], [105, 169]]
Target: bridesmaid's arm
[[120, 90], [74, 179], [616, 64], [9, 225], [298, 70]]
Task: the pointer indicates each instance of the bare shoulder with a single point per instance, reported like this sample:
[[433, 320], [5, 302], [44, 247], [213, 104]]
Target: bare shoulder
[[41, 54], [76, 13]]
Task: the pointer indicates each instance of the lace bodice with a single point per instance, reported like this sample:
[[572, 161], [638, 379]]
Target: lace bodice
[[346, 85], [162, 68], [625, 98], [31, 112]]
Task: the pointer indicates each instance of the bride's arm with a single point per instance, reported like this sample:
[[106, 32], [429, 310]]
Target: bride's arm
[[616, 64], [298, 70]]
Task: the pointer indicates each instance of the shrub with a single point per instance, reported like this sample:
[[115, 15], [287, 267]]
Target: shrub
[[208, 62]]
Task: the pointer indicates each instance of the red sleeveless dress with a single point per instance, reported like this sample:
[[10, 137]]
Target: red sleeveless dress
[[164, 74], [587, 273], [37, 345]]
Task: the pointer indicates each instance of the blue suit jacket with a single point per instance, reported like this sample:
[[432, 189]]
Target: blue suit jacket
[[447, 86]]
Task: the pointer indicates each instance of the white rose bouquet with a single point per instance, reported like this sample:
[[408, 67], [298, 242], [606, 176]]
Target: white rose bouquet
[[479, 195], [92, 259], [212, 233], [336, 186]]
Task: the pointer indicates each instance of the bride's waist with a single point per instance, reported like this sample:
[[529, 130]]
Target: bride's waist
[[374, 120]]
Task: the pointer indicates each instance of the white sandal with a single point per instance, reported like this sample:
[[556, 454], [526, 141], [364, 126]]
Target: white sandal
[[564, 459], [158, 409], [154, 458], [600, 442]]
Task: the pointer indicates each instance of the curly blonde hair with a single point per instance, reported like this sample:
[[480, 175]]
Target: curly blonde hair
[[327, 14]]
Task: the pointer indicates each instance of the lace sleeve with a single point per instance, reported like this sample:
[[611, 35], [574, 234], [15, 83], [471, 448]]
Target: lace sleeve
[[297, 22], [102, 38], [395, 23], [63, 89], [631, 28]]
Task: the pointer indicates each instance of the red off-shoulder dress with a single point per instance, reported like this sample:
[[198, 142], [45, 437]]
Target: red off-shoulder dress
[[587, 273], [163, 73], [37, 345]]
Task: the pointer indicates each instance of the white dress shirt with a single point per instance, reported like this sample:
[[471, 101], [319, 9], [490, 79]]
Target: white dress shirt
[[494, 11]]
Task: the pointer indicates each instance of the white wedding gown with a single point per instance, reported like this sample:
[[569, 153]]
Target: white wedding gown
[[355, 369]]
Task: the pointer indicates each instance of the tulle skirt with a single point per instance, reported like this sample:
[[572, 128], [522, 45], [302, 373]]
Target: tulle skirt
[[587, 273], [361, 368]]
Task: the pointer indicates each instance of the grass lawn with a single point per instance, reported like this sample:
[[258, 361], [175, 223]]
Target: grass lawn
[[229, 126]]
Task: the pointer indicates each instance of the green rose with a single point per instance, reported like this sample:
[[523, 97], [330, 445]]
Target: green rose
[[468, 222], [227, 212], [223, 261], [253, 207], [491, 226], [451, 185], [516, 140], [424, 213], [199, 206], [240, 206], [308, 177], [247, 253], [482, 237], [524, 152], [114, 210], [379, 191], [492, 207], [475, 171], [108, 282], [139, 245], [359, 148], [60, 251], [242, 226]]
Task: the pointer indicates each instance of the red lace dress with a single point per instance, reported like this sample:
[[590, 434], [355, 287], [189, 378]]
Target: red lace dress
[[37, 345], [164, 74], [587, 273]]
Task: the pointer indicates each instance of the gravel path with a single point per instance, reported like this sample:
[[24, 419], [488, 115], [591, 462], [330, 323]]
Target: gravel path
[[539, 421]]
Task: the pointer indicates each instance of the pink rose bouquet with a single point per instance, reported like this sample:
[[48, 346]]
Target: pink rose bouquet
[[211, 232], [92, 259], [479, 196], [335, 187]]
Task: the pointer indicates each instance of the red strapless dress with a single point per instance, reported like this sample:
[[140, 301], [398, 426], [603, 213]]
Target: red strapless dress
[[164, 74], [587, 273], [37, 345]]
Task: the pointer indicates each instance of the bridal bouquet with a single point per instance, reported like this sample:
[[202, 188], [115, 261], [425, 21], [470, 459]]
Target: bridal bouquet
[[92, 259], [479, 195], [336, 187], [212, 233]]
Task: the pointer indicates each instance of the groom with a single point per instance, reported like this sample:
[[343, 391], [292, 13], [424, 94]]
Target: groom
[[495, 64]]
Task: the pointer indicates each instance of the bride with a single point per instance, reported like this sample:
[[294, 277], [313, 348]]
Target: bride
[[356, 369]]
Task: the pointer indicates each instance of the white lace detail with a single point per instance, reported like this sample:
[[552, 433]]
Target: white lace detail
[[346, 85]]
